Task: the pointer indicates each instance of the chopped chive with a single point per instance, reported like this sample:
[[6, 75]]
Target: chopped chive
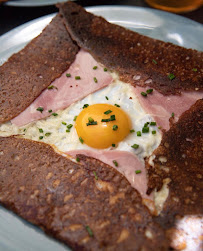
[[75, 118], [138, 171], [105, 69], [40, 109], [117, 105], [49, 111], [41, 137], [113, 117], [113, 145], [68, 75], [63, 123], [90, 119], [105, 120], [146, 124], [172, 114], [171, 76], [91, 123], [89, 231], [41, 130], [194, 69], [77, 78], [107, 112], [69, 126], [24, 129], [135, 146], [149, 91], [95, 80], [85, 106], [153, 132], [115, 127], [67, 130], [145, 129], [52, 87], [144, 94], [154, 61], [77, 159], [132, 130], [152, 123], [81, 140], [55, 114], [159, 127], [95, 67], [47, 134], [106, 98], [115, 162], [139, 133], [95, 175]]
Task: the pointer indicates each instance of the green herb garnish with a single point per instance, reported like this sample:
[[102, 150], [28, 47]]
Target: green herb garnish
[[89, 231], [77, 78], [115, 162], [152, 123], [69, 126], [107, 112], [91, 123], [49, 111], [52, 87], [132, 130], [68, 75], [153, 132], [75, 118], [41, 130], [171, 76], [40, 109], [139, 133], [77, 159], [172, 114], [95, 67], [144, 94], [47, 134], [55, 114], [41, 137], [113, 145], [135, 146], [138, 171], [154, 61], [149, 91], [105, 69], [63, 123], [194, 69], [145, 129], [106, 98], [81, 140], [95, 175], [115, 127], [95, 80], [85, 106], [117, 105]]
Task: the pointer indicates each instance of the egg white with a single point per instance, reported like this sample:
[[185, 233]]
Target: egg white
[[118, 93]]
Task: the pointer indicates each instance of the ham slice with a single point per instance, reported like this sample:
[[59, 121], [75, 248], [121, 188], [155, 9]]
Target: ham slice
[[161, 107], [128, 163], [67, 90]]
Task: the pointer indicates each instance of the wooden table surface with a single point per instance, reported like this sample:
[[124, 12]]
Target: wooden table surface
[[11, 17]]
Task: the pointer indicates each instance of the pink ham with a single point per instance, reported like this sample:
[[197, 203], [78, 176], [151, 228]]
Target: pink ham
[[161, 107], [128, 163], [67, 89]]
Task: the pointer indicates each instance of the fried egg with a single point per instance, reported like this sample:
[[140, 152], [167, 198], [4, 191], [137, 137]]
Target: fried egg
[[110, 118]]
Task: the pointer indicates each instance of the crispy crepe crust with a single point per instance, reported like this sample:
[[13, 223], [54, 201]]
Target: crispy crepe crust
[[132, 54], [63, 198], [180, 158], [27, 73]]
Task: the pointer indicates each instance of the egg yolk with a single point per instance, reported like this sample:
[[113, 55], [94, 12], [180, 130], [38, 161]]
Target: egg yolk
[[115, 127]]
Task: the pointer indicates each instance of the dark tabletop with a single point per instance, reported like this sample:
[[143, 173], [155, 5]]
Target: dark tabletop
[[11, 17]]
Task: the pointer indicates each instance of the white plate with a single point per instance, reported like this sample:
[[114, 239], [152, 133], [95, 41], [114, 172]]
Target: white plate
[[33, 3], [16, 234]]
